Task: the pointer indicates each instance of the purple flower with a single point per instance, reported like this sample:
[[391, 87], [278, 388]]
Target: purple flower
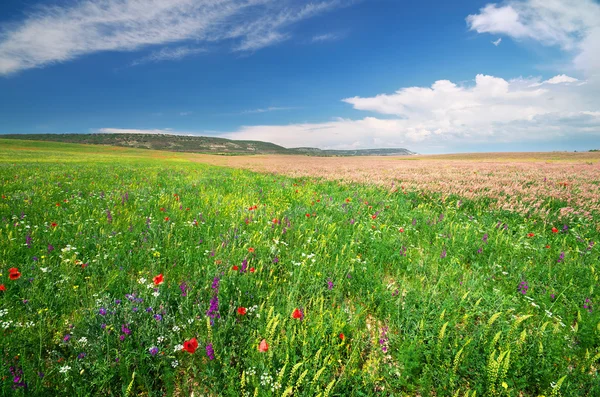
[[153, 350], [103, 326], [50, 248], [67, 338], [148, 310], [329, 284], [443, 254], [81, 355], [183, 287], [125, 330], [565, 228], [561, 257], [215, 283], [485, 238], [210, 352], [157, 317], [102, 311], [117, 301], [134, 309], [523, 287], [213, 310], [109, 217], [28, 241], [275, 260], [244, 266], [122, 338], [352, 221]]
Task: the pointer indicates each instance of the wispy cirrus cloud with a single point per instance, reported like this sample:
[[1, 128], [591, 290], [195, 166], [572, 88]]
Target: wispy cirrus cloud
[[60, 33], [320, 38], [269, 109], [168, 54]]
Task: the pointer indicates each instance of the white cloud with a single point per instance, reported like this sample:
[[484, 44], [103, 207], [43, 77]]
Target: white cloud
[[573, 25], [51, 34], [168, 54], [493, 110], [326, 37], [497, 42], [265, 110]]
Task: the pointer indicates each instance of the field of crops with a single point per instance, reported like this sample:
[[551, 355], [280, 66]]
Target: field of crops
[[140, 273]]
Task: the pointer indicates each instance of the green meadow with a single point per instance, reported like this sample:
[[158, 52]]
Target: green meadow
[[129, 272]]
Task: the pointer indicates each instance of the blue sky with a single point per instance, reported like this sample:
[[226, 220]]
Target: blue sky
[[434, 77]]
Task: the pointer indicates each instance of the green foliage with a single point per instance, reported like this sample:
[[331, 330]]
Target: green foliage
[[454, 305]]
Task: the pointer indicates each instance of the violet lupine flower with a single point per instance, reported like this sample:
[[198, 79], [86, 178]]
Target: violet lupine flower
[[329, 284], [485, 238], [244, 266], [213, 310], [28, 240], [210, 352], [215, 283], [122, 338], [561, 257]]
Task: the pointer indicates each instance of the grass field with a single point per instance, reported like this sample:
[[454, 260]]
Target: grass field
[[142, 273]]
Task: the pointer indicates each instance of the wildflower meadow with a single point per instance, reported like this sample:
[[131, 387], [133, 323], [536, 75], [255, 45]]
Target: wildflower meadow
[[132, 272]]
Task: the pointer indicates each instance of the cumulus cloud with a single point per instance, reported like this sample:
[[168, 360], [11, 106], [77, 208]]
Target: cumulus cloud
[[492, 110], [59, 33], [573, 25]]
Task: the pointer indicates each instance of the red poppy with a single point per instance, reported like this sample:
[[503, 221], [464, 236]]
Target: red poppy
[[191, 345], [13, 270], [252, 270], [158, 280], [401, 230], [54, 224], [263, 346], [235, 267], [251, 249], [373, 216], [308, 215], [162, 210], [275, 221], [342, 337], [166, 219], [58, 204], [554, 230], [2, 287], [530, 234], [547, 246], [242, 311], [297, 314], [14, 276]]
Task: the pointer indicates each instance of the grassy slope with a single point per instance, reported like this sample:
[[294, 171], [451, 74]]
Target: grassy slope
[[197, 144], [446, 314]]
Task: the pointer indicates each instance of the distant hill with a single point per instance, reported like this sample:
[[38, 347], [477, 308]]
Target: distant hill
[[199, 144]]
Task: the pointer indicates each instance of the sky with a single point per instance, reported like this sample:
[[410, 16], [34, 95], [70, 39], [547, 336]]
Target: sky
[[430, 76]]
